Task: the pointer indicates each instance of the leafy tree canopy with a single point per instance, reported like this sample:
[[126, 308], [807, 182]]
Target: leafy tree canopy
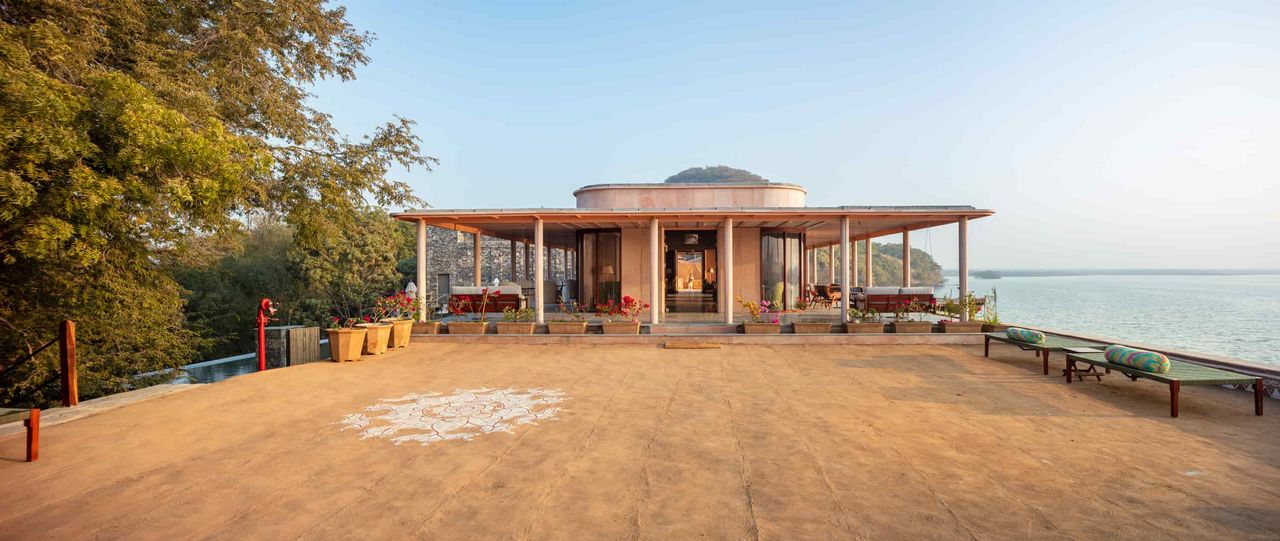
[[717, 173]]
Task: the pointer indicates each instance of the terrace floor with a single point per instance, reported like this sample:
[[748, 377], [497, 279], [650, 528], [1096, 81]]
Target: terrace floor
[[778, 442]]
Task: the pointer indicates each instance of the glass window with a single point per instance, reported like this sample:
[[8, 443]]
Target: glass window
[[600, 273], [781, 268]]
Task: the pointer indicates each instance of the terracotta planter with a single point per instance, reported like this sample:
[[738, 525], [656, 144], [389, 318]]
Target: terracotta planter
[[427, 327], [400, 331], [567, 327], [812, 328], [377, 338], [912, 327], [961, 326], [346, 344], [621, 327], [515, 327], [467, 327], [998, 327], [761, 328], [864, 327]]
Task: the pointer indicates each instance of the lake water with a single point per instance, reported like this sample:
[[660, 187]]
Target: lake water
[[1234, 316]]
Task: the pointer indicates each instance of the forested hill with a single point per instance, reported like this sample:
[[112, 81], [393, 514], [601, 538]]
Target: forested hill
[[888, 266]]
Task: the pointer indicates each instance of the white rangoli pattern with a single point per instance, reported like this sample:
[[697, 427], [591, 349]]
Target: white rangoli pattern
[[463, 415]]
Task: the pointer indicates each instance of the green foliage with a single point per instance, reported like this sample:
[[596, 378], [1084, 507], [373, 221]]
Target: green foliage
[[718, 173], [135, 136], [887, 266]]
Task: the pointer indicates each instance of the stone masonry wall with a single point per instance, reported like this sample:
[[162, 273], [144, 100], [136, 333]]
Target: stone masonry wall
[[450, 252]]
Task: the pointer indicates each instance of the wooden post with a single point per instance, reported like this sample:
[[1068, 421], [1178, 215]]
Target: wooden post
[[1174, 387], [67, 350], [1259, 391], [33, 435], [477, 252], [727, 279]]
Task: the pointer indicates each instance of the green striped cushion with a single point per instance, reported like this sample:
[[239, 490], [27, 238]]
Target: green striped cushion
[[1025, 335], [1146, 361]]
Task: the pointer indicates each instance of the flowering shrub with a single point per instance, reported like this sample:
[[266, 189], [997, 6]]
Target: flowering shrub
[[575, 311], [629, 309], [399, 305], [461, 305], [512, 315], [759, 311], [349, 323]]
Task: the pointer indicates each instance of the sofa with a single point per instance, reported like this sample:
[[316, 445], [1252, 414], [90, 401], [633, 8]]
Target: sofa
[[508, 296], [887, 299]]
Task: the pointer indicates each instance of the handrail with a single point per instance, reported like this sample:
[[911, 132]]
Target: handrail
[[29, 356], [66, 341]]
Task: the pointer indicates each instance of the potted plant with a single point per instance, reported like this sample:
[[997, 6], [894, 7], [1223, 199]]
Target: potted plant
[[902, 322], [621, 318], [762, 321], [991, 315], [460, 307], [864, 321], [431, 325], [516, 321], [398, 310], [378, 336], [346, 340], [803, 325], [577, 323], [952, 310]]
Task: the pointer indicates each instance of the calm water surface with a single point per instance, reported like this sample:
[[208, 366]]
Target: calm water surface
[[1235, 316]]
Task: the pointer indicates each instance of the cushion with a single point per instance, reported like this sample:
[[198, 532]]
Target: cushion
[[474, 290], [1146, 361], [917, 291], [1025, 335], [882, 290]]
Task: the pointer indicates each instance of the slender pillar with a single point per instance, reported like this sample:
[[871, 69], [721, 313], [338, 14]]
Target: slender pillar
[[539, 295], [866, 265], [906, 258], [727, 279], [846, 291], [831, 264], [476, 251], [422, 271], [655, 276], [513, 261], [964, 269]]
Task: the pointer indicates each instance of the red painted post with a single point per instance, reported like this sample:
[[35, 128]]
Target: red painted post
[[265, 309], [67, 354]]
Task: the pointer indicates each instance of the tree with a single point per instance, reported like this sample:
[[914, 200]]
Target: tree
[[131, 132]]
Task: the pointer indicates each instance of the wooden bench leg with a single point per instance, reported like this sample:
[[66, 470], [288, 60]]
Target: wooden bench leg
[[1174, 387], [986, 346], [1071, 368], [1046, 362], [1259, 392], [33, 435]]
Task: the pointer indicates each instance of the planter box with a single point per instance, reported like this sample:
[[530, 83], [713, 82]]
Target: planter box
[[400, 331], [467, 327], [914, 327], [567, 327], [999, 327], [376, 338], [812, 328], [761, 328], [864, 327], [621, 327], [345, 344], [515, 327], [961, 326], [427, 327]]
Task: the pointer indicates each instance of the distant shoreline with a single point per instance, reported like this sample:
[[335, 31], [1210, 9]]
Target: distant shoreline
[[1044, 273]]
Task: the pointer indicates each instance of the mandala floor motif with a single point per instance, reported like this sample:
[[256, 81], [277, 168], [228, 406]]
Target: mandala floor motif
[[463, 415]]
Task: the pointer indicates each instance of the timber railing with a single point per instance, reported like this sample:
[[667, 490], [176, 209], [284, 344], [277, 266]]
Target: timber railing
[[66, 341]]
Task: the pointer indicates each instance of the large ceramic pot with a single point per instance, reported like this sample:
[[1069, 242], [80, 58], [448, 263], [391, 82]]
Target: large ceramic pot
[[761, 328], [912, 327], [400, 331], [812, 328], [864, 327], [961, 326], [994, 327], [427, 327], [621, 327], [377, 338], [567, 327], [467, 327], [515, 327], [346, 344]]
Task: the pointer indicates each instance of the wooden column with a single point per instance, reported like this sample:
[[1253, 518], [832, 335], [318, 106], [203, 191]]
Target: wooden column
[[727, 279], [539, 295], [422, 271], [846, 288], [906, 258], [964, 269], [67, 354], [655, 272], [866, 265], [476, 252]]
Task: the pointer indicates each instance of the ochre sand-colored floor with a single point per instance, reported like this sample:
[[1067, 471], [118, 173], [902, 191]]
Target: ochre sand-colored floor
[[792, 442]]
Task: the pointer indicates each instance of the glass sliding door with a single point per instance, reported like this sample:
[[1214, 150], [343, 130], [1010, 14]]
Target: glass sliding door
[[781, 268], [599, 267]]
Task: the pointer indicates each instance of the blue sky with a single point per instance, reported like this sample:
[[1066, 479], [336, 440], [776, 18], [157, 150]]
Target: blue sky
[[1117, 134]]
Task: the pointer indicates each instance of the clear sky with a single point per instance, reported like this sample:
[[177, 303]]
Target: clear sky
[[1103, 134]]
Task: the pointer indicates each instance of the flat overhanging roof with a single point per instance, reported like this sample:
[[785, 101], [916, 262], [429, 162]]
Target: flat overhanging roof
[[821, 223]]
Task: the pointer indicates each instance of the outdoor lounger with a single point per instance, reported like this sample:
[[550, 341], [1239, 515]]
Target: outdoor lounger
[[1180, 373], [1051, 343]]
